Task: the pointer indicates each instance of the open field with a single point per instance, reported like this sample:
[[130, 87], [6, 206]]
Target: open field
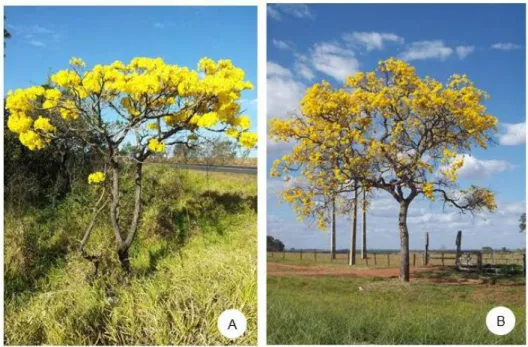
[[310, 303], [195, 256]]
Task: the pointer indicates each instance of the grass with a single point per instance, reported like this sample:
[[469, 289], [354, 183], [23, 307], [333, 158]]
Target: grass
[[326, 310], [194, 258]]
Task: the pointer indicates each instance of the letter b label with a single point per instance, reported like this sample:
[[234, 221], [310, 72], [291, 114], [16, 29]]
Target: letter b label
[[500, 320]]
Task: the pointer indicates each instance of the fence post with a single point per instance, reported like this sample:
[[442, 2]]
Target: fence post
[[458, 249], [479, 261], [301, 254], [272, 254], [375, 261], [426, 253], [315, 254], [442, 258], [388, 259], [414, 259], [283, 254], [524, 263], [366, 259]]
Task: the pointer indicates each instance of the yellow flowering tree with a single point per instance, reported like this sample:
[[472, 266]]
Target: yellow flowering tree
[[389, 130], [146, 104]]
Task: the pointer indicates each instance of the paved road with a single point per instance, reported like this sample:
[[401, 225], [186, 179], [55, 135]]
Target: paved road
[[230, 169]]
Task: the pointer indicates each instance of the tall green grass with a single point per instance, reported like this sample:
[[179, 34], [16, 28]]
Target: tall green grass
[[338, 310], [194, 258]]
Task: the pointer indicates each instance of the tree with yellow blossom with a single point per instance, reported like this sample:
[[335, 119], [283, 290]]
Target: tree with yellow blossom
[[389, 130], [147, 103]]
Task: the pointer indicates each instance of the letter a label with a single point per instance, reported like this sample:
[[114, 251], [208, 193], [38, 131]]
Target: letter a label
[[232, 324]]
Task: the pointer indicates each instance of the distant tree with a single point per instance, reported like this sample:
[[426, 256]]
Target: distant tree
[[274, 245], [184, 153], [522, 223], [487, 249]]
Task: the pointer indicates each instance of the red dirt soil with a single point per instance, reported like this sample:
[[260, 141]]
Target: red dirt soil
[[277, 269]]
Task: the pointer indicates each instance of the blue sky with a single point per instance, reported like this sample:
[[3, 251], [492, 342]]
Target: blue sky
[[45, 38], [487, 42]]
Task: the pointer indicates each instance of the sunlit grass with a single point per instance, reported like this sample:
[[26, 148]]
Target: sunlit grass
[[330, 310], [195, 257]]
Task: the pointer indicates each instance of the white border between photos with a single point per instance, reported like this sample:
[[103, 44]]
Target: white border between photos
[[261, 110]]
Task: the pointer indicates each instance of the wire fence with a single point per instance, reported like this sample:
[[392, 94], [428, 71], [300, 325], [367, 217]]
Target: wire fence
[[392, 258]]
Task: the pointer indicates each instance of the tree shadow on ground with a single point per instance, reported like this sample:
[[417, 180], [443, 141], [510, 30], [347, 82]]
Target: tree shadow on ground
[[40, 256], [231, 202], [449, 274], [203, 215]]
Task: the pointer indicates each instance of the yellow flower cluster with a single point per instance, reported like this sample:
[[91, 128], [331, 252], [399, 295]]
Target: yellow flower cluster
[[32, 140], [248, 140], [20, 104], [389, 120], [427, 190], [156, 145], [77, 62], [96, 177], [207, 97], [43, 124], [152, 126]]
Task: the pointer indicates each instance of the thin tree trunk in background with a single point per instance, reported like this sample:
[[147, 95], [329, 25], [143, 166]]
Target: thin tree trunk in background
[[364, 232], [426, 251], [458, 249], [333, 233], [404, 242], [354, 229]]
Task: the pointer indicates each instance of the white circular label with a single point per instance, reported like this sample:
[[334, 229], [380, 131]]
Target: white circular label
[[232, 324], [500, 320]]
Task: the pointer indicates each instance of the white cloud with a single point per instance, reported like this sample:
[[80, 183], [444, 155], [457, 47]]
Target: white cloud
[[371, 40], [480, 229], [281, 44], [36, 35], [427, 50], [284, 92], [464, 51], [333, 60], [37, 43], [159, 25], [474, 168], [512, 134], [505, 46], [304, 71], [279, 11]]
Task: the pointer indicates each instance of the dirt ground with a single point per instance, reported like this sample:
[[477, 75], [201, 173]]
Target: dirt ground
[[429, 274], [277, 269]]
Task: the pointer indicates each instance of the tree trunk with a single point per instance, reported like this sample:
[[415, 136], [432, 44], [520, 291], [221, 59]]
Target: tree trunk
[[333, 235], [125, 246], [114, 207], [124, 260], [352, 260], [364, 232], [404, 242]]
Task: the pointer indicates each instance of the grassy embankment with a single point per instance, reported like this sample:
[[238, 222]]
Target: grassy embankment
[[194, 257]]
